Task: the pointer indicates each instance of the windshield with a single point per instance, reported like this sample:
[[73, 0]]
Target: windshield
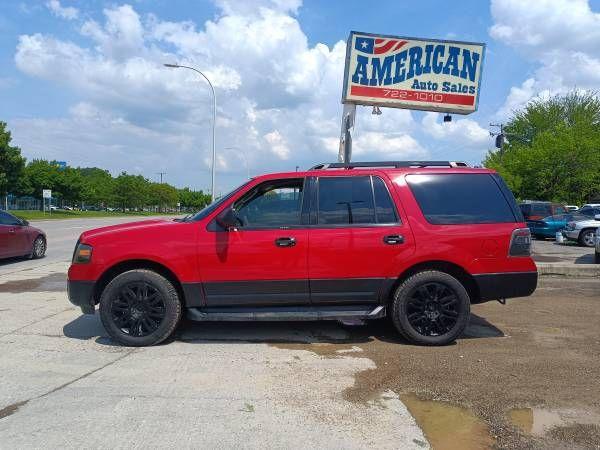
[[214, 205]]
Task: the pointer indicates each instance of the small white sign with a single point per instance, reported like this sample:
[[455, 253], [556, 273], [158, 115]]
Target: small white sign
[[47, 193]]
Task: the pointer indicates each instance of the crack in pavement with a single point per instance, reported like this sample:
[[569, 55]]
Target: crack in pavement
[[13, 408], [35, 322]]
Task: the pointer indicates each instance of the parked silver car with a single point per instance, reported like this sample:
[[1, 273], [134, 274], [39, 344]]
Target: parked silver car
[[583, 231]]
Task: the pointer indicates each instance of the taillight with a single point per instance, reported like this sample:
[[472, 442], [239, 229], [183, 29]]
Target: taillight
[[520, 242], [83, 254]]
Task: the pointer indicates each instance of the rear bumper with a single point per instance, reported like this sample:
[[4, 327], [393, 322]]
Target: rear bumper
[[496, 286], [81, 293]]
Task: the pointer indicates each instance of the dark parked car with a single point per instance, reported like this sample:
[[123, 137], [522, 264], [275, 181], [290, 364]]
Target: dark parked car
[[549, 226], [18, 238], [539, 210]]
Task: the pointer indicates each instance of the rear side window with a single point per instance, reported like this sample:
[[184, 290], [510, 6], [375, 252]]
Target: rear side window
[[541, 210], [345, 200], [460, 198], [384, 206]]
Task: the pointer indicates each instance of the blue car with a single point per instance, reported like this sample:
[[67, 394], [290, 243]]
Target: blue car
[[549, 226]]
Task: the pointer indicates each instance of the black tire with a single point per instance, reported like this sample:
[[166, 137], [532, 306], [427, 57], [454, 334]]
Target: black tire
[[421, 318], [597, 258], [586, 238], [38, 248], [139, 308]]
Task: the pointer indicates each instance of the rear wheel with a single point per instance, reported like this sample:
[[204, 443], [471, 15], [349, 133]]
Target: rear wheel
[[587, 238], [431, 308], [140, 308]]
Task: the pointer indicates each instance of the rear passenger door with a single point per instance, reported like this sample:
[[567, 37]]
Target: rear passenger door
[[357, 239]]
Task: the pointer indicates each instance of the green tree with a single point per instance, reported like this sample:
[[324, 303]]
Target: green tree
[[130, 191], [41, 174], [97, 186], [553, 149], [162, 195], [193, 199], [11, 165]]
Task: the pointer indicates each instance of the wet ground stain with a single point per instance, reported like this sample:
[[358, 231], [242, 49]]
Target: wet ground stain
[[11, 409], [447, 426], [499, 364], [55, 282]]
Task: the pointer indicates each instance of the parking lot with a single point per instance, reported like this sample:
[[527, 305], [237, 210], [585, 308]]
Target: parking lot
[[525, 375]]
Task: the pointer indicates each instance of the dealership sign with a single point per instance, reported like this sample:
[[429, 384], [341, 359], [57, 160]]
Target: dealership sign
[[412, 73]]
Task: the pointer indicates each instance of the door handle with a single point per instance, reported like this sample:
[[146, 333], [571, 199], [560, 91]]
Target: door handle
[[12, 230], [393, 239], [285, 242]]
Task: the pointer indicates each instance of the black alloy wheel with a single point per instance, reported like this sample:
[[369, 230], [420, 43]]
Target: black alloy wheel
[[138, 309], [430, 308]]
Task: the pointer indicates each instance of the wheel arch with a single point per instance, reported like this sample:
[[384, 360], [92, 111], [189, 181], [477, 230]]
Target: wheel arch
[[450, 268], [134, 264]]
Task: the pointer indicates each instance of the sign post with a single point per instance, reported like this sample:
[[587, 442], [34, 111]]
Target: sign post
[[411, 73], [47, 193]]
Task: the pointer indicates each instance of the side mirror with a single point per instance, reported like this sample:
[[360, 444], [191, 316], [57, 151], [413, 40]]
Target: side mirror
[[25, 222], [227, 218]]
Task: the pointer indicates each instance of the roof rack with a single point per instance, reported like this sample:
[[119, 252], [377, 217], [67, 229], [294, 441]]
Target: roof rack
[[395, 164]]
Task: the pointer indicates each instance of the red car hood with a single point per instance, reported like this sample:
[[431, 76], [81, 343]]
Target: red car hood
[[125, 227]]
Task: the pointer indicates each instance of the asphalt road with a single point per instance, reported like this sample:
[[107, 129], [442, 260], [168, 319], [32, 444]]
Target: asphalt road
[[524, 375], [62, 236]]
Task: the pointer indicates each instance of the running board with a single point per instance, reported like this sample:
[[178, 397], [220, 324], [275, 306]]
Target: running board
[[286, 313]]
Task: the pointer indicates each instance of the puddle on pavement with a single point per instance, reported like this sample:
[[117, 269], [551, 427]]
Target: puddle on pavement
[[539, 421], [11, 409], [448, 426], [55, 282]]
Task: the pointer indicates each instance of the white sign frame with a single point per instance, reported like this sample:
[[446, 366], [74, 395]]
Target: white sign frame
[[46, 193], [398, 90]]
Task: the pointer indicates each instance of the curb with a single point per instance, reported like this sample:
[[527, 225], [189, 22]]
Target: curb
[[568, 270]]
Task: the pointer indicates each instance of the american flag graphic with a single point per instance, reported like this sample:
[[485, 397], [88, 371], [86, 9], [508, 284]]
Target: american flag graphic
[[377, 46]]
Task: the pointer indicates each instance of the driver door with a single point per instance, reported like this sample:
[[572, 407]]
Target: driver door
[[263, 261]]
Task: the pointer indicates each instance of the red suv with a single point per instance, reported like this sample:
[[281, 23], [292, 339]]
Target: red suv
[[418, 241]]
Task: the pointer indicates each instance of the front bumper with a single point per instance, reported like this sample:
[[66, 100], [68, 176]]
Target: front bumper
[[572, 235], [81, 293], [497, 286]]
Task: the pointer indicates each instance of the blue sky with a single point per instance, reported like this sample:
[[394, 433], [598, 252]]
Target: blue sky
[[83, 81]]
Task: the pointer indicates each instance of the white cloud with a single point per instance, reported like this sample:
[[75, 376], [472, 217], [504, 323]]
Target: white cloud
[[65, 12], [277, 96], [560, 36]]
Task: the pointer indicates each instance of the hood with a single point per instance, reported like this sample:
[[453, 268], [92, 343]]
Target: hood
[[114, 229]]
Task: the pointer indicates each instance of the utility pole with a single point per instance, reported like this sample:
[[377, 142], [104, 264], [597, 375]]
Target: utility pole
[[161, 175]]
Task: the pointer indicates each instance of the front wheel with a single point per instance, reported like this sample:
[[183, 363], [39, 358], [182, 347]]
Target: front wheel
[[431, 308], [38, 248], [140, 308], [587, 238]]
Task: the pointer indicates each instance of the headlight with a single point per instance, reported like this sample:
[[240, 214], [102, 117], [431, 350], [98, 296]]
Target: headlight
[[83, 254]]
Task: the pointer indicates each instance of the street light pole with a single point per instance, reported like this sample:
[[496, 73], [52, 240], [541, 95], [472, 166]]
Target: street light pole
[[214, 122]]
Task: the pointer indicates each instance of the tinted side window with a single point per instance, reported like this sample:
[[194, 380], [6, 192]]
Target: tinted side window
[[272, 204], [460, 198], [345, 200], [559, 210], [7, 219], [541, 210], [384, 205]]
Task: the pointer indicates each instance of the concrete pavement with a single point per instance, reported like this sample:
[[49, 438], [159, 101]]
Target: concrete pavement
[[64, 384]]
